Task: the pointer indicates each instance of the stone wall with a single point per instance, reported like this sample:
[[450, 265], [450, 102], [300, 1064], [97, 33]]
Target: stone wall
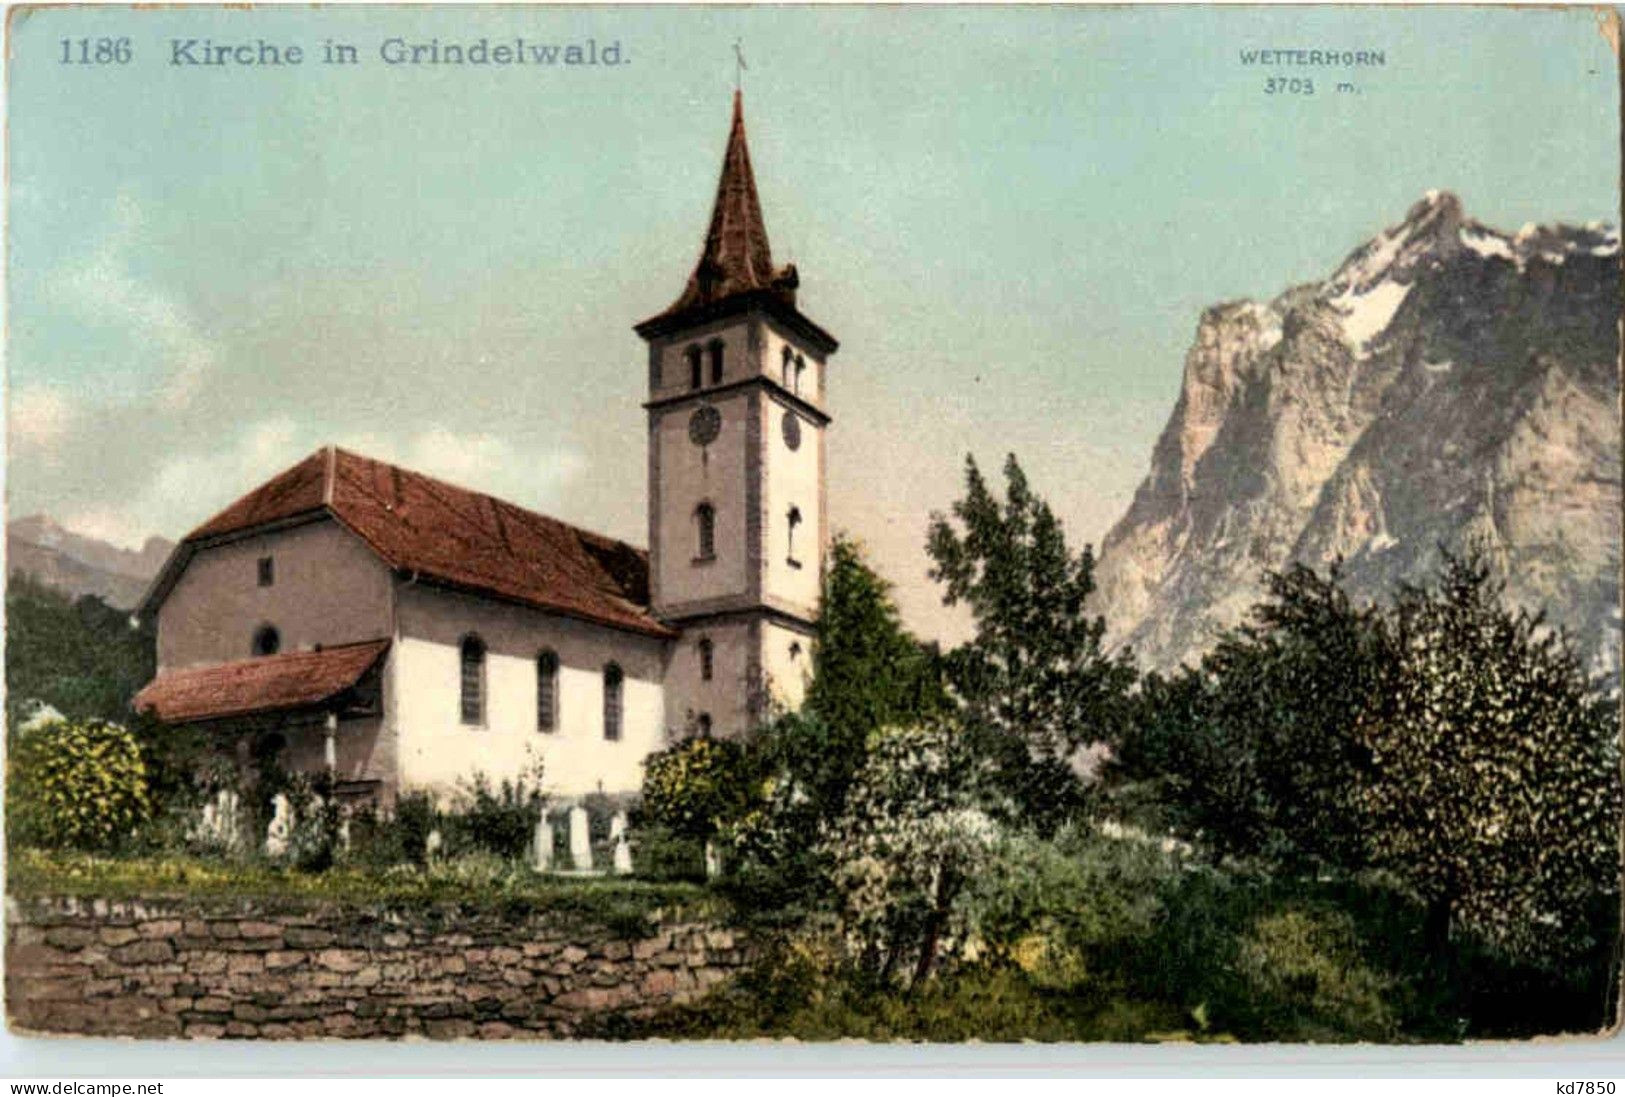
[[173, 969]]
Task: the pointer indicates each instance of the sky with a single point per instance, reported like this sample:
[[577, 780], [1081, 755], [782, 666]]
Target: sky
[[1011, 218]]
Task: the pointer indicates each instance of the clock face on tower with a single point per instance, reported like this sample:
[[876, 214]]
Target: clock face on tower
[[792, 430], [704, 425]]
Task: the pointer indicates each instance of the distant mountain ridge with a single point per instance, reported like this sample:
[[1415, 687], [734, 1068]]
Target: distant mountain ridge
[[1448, 381], [40, 547]]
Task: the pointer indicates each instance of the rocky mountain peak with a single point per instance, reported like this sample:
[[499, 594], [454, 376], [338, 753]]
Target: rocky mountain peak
[[1447, 381]]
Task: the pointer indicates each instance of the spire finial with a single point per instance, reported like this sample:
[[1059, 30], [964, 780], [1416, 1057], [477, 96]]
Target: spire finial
[[739, 68]]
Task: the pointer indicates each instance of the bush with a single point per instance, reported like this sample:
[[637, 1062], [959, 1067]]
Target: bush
[[76, 785], [497, 819], [1068, 910], [658, 853], [1302, 978], [697, 786], [317, 819]]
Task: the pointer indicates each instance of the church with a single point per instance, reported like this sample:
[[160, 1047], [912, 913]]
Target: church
[[405, 633]]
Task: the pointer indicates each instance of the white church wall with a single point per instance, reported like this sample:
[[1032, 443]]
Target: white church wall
[[810, 386], [786, 661], [791, 478], [436, 750], [689, 475], [328, 588], [675, 378]]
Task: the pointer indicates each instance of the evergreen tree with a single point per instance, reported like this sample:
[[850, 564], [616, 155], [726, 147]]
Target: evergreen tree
[[868, 671]]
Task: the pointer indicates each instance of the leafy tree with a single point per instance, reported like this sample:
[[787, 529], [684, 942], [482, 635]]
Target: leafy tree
[[1495, 790], [1036, 682], [1447, 740], [1254, 750]]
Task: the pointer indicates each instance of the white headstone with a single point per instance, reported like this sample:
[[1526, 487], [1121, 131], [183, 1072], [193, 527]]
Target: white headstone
[[218, 821], [432, 844], [541, 845], [280, 831], [713, 861], [620, 845], [580, 841]]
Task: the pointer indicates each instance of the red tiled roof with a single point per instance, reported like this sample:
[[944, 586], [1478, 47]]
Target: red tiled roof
[[737, 259], [450, 535], [273, 683]]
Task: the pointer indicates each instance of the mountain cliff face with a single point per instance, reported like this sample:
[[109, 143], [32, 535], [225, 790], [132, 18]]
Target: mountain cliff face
[[76, 565], [1447, 382]]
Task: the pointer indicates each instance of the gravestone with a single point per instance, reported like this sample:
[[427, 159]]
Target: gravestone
[[580, 840], [279, 833], [541, 845], [620, 844]]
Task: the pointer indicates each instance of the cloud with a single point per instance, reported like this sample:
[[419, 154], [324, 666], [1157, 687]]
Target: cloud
[[104, 289], [40, 417]]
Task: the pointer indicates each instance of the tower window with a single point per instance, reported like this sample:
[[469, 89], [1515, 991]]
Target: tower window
[[695, 378], [801, 364], [785, 372], [547, 691], [705, 523], [267, 641], [795, 649], [794, 518], [707, 664], [704, 725], [267, 571], [471, 679], [613, 679], [716, 361]]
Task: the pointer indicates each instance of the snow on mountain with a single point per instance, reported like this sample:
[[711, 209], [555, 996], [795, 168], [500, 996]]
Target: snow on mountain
[[1447, 381]]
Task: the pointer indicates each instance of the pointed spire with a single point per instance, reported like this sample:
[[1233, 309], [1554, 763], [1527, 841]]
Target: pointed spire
[[737, 257]]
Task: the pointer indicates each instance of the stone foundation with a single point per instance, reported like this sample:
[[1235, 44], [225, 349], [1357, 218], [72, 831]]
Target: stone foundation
[[185, 969]]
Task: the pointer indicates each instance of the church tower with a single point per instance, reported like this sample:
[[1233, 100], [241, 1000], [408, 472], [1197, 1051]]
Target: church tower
[[736, 470]]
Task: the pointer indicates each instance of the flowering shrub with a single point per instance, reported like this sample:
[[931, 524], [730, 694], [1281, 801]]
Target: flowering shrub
[[911, 835], [74, 784], [694, 788]]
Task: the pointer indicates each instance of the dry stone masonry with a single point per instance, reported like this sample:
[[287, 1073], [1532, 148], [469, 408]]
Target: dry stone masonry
[[189, 969]]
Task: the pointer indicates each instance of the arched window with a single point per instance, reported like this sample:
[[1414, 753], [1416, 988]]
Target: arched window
[[716, 361], [695, 378], [471, 680], [547, 691], [789, 358], [706, 664], [705, 522], [794, 518], [801, 364], [795, 650], [703, 724], [267, 641], [613, 681]]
